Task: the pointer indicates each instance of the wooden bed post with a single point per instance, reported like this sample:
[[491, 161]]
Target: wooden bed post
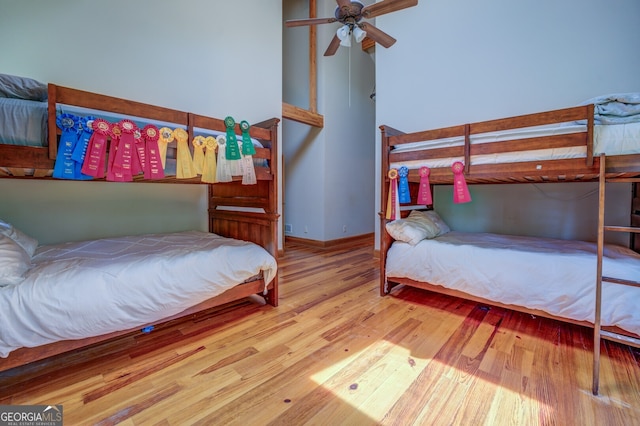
[[52, 129]]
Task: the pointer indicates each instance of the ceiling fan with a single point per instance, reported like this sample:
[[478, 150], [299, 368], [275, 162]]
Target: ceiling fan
[[350, 15]]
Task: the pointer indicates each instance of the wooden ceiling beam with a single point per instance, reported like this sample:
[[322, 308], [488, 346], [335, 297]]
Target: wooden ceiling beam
[[301, 115]]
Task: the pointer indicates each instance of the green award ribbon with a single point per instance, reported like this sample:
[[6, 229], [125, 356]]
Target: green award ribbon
[[247, 144], [232, 149]]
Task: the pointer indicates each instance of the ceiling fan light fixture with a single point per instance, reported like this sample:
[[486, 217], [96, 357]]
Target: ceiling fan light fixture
[[344, 34], [359, 34]]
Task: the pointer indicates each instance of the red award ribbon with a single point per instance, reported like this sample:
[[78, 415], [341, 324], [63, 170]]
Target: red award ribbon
[[153, 163], [93, 164], [393, 203], [123, 160], [424, 192], [460, 190], [114, 174], [139, 154]]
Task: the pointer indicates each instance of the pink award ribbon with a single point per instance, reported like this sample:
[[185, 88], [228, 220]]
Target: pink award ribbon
[[393, 203], [424, 191], [209, 169], [153, 163], [460, 190], [93, 164]]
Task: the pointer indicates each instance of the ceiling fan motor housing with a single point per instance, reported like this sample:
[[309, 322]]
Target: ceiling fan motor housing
[[349, 15]]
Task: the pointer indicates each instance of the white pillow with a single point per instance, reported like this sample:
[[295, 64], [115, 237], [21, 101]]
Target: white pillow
[[29, 244], [415, 228], [437, 220], [14, 262]]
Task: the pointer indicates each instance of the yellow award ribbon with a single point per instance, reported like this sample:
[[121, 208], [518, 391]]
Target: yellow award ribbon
[[166, 137], [184, 162], [209, 167], [393, 202], [198, 153]]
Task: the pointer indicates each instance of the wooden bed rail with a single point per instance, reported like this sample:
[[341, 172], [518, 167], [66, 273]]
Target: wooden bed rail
[[557, 170]]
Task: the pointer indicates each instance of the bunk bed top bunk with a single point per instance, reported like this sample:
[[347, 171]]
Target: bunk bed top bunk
[[542, 276], [242, 215], [552, 146]]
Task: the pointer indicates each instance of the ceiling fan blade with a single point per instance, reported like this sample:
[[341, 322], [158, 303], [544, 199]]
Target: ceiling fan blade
[[386, 6], [314, 21], [333, 46], [377, 34]]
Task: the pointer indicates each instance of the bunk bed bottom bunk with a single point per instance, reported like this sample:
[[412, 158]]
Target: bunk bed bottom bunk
[[81, 293], [541, 276]]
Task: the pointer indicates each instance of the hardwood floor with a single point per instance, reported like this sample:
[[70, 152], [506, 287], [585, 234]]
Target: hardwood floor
[[335, 352]]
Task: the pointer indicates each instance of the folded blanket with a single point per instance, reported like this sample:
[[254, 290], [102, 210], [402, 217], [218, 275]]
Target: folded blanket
[[616, 108]]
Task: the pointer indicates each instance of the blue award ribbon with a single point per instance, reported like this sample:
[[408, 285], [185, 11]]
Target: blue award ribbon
[[403, 186], [65, 166], [86, 130], [232, 150], [247, 143]]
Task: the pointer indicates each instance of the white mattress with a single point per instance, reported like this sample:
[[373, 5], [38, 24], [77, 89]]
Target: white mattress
[[555, 276], [82, 289], [618, 139]]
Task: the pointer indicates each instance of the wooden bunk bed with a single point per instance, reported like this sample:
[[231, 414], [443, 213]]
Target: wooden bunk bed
[[552, 146], [236, 210]]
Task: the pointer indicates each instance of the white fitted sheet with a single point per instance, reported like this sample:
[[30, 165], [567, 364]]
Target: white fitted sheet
[[555, 276], [82, 289]]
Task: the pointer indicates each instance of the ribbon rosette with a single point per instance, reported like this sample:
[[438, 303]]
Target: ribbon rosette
[[122, 165], [153, 162], [424, 191], [139, 156], [209, 169], [96, 151], [65, 166], [393, 203], [403, 190], [248, 151], [166, 137], [184, 161], [80, 150], [460, 190], [114, 174], [198, 153], [223, 174], [232, 151]]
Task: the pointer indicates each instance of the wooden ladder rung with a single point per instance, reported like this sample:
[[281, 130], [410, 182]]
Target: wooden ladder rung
[[633, 229], [621, 281], [620, 338]]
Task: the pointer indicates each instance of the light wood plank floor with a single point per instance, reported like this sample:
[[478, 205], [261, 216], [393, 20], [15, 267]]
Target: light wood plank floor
[[335, 352]]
